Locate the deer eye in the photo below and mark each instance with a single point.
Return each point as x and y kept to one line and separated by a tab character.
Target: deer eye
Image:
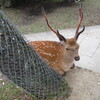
67	49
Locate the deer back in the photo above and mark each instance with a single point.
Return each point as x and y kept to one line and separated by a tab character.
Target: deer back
51	51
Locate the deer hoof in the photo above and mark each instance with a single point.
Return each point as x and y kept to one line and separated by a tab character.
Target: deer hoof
64	74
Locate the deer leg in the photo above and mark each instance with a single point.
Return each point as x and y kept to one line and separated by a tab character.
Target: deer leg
72	66
60	71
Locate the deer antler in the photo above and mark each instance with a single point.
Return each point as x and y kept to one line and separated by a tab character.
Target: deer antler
61	38
79	24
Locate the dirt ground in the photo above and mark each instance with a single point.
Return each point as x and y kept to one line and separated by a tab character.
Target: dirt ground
85	84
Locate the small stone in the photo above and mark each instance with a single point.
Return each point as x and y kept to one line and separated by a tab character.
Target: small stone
13	38
2	22
99	83
0	79
3	83
0	33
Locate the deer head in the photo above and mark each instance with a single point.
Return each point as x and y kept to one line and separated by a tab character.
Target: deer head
71	45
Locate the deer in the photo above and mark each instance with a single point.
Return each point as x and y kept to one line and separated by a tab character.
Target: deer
60	55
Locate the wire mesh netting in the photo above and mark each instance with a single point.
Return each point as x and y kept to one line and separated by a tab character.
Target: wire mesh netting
24	67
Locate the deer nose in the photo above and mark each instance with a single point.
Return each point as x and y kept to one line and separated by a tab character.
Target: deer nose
77	58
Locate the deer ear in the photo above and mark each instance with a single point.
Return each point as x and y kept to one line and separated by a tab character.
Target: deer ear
61	38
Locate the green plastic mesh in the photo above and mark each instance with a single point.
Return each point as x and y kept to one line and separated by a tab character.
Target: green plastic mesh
24	67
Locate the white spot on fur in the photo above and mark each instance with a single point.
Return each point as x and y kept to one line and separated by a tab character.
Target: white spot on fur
48	54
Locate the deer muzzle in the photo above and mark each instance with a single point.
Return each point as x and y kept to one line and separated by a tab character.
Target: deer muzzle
77	58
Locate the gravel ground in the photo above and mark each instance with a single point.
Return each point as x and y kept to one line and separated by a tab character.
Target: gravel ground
85	84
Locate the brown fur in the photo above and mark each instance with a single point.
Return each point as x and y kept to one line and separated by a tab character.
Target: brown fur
72	42
61	55
56	55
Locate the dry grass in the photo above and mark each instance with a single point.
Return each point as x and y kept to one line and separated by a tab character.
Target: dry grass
62	17
8	91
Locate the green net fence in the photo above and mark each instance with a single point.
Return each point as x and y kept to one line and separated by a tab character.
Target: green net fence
24	67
